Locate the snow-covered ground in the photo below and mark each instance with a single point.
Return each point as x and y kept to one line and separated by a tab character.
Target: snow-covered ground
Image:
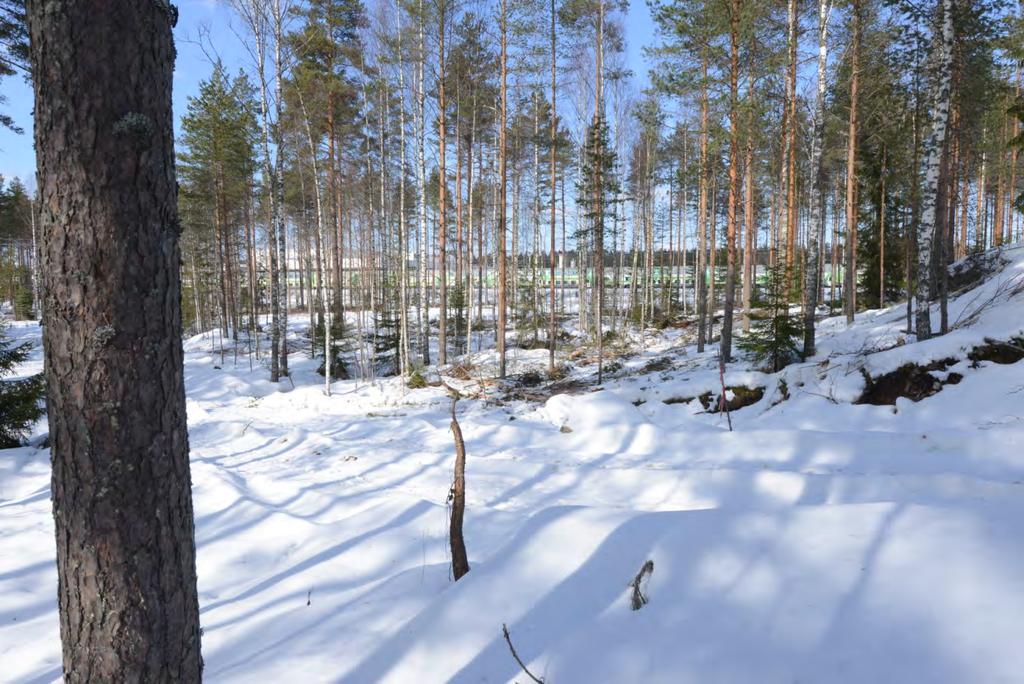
819	541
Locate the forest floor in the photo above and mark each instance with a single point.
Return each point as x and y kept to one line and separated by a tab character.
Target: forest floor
819	540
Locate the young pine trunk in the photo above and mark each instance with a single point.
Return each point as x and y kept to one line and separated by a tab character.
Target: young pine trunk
502	195
850	266
734	183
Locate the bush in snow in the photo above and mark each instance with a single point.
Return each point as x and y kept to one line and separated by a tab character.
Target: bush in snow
19	399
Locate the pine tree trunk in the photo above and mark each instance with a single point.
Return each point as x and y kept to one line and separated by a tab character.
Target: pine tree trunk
119	445
850	268
881	235
734	183
750	239
442	152
702	213
502	194
552	142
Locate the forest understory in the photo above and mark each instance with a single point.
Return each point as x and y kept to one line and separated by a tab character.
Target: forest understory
820	530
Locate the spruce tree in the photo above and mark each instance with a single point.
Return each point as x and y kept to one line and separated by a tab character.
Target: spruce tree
19	399
773	340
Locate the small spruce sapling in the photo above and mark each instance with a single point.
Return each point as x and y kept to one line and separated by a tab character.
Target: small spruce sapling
20	399
773	340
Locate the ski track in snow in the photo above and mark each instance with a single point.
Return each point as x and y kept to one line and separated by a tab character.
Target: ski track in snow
820	541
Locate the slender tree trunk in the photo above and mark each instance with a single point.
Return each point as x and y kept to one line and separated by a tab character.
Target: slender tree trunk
318	194
750	244
933	158
502	197
816	229
713	259
599	197
850	268
881	235
981	215
552	152
734	182
421	180
278	189
702	211
403	232
791	198
997	218
442	335
122	504
1014	149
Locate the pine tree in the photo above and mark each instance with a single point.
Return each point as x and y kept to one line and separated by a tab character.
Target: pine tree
217	160
13	49
596	191
122	501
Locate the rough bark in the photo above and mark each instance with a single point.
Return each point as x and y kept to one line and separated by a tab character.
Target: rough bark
121	484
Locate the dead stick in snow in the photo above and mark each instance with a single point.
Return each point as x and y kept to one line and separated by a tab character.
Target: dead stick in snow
457	497
508	640
638	599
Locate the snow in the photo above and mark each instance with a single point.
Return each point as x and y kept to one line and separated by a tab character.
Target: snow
821	540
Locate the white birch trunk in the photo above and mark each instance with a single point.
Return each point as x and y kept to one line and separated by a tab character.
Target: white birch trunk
933	159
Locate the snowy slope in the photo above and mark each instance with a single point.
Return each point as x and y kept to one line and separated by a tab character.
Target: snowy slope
821	540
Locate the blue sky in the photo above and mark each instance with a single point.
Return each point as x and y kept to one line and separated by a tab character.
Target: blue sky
193	65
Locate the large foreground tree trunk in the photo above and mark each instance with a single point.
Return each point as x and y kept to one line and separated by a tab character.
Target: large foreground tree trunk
121	485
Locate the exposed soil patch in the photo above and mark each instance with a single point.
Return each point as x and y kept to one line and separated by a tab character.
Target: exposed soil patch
996	351
741	397
909	380
657	365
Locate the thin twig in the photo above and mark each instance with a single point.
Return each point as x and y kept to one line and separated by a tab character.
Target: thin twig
724	404
508	640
